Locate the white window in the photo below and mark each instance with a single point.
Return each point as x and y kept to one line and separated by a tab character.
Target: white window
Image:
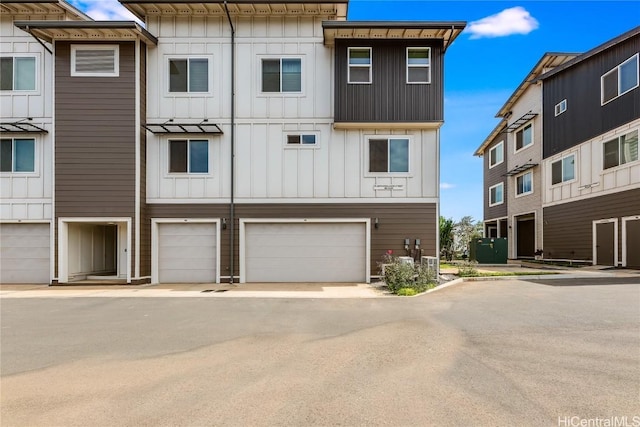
281	75
189	156
18	73
388	155
563	170
95	60
418	65
17	154
524	184
359	65
561	107
621	150
496	154
620	80
496	194
524	137
188	75
302	140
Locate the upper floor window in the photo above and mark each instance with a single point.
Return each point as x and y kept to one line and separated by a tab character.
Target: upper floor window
621	150
620	80
189	156
418	65
560	107
563	170
18	73
524	137
17	154
95	60
359	65
282	75
496	194
524	184
189	75
389	155
298	140
496	155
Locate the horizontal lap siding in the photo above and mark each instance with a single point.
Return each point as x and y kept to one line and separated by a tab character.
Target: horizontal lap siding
397	221
495	176
568	228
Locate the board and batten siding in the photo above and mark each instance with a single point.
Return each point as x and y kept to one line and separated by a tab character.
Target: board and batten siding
494	176
568	227
388	98
580	85
396	221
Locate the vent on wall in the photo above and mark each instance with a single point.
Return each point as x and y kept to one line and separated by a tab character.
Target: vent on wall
97	61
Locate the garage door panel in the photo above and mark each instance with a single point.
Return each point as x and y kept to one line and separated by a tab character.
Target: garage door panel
305	252
187	252
24	253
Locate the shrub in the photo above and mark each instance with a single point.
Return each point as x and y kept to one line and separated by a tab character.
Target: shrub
401	277
468	269
406	292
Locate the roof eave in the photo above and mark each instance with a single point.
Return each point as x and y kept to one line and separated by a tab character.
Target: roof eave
43	28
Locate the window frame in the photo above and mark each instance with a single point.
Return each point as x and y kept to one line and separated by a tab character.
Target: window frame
560	107
495	147
169	58
618	139
301	145
515	135
561	161
367	156
369	65
262	58
501	185
188	157
524	193
13	158
13	56
116	59
409	66
619	79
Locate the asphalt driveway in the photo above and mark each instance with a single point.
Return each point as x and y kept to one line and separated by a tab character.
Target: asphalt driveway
479	353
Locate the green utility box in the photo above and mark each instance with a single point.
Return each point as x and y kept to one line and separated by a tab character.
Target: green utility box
489	250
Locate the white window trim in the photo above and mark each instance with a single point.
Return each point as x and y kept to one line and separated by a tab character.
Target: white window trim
36	159
516	184
301	146
428	66
188	94
407	174
501	201
281	94
37	76
617	137
561	160
116	60
495	147
370	65
617	68
167	150
560	107
515	138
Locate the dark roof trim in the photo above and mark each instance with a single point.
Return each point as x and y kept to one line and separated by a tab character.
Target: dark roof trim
21	126
88	25
622	37
182	128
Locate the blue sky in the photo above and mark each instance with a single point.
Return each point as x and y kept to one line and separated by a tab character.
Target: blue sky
484	65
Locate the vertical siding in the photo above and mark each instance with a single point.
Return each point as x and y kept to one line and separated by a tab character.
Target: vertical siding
568	228
388	98
585	118
397	221
494	176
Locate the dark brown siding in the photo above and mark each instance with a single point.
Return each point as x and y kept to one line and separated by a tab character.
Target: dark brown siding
388	98
585	118
495	176
568	228
397	221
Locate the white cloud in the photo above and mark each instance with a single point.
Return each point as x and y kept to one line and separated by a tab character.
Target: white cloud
104	10
515	20
446	186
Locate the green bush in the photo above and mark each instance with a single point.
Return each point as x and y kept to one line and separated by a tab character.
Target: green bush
406	292
400	276
468	269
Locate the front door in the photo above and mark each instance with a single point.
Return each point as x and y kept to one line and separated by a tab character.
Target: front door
526	235
632	241
605	243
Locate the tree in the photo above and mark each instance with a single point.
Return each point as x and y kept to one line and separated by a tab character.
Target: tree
465	231
446	238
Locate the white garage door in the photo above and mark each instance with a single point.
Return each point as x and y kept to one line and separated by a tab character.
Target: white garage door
305	252
24	253
187	253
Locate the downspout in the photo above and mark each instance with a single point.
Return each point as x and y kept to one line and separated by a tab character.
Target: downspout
232	213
